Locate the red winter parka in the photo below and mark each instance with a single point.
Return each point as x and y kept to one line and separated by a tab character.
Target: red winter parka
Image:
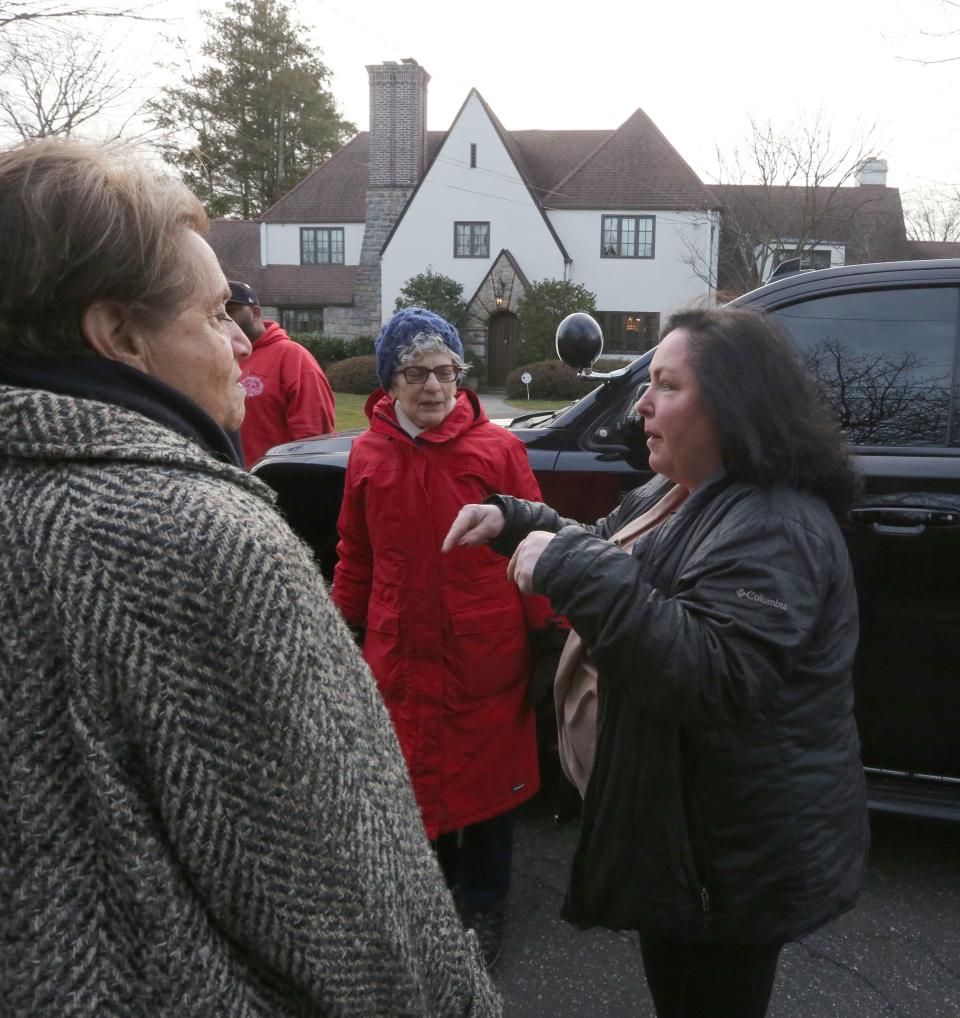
446	633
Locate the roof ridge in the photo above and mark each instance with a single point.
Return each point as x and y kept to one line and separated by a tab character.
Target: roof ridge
597	148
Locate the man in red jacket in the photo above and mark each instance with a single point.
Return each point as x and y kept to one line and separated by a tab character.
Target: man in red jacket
288	395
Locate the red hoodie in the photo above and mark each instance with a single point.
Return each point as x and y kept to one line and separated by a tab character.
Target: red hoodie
288	395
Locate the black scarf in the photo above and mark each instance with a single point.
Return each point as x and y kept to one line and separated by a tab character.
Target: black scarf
120	385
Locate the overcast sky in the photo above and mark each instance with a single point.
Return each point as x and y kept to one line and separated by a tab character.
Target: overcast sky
699	69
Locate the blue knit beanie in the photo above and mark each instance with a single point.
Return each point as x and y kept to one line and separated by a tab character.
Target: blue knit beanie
399	332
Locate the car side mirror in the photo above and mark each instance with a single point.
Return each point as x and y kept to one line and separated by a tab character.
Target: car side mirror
579	341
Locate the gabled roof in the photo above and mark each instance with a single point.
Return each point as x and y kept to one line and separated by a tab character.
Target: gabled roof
634	167
518	162
335	192
867	220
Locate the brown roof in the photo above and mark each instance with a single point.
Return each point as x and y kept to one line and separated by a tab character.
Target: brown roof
335	192
935	248
237	245
633	166
868	220
306	285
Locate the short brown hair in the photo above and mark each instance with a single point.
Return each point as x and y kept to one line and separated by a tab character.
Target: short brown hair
82	223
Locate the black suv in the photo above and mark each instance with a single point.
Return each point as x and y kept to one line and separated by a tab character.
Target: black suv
882	341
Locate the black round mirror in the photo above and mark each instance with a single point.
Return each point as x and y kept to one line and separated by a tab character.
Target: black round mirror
579	340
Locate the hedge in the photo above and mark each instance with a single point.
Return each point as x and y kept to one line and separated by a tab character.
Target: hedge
355	374
554	380
328	350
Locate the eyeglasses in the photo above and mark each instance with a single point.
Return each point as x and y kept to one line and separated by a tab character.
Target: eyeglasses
443	373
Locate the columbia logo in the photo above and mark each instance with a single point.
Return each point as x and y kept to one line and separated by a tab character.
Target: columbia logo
752	595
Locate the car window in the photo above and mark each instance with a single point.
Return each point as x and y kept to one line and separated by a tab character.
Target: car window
884	361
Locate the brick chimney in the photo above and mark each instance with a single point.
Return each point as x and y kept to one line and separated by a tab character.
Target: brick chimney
398	157
871	172
398	123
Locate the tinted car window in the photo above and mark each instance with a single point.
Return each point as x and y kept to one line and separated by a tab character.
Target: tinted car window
884	361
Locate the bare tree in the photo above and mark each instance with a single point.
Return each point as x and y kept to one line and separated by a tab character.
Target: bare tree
878	399
62	85
783	194
21	12
933	213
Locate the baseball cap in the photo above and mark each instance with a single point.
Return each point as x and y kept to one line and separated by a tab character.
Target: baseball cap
241	293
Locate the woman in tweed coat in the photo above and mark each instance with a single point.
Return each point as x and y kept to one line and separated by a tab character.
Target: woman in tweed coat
205	810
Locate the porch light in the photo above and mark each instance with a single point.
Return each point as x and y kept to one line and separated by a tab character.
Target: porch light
499	290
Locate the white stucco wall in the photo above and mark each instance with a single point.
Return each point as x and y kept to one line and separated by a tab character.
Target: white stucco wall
453	192
280	242
662	283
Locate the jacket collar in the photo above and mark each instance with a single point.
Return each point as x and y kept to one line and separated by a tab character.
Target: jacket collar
467	413
37	425
272	334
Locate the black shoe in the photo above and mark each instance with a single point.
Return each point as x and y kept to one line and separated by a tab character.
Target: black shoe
488	927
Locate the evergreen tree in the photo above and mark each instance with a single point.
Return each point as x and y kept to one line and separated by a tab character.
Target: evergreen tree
259	113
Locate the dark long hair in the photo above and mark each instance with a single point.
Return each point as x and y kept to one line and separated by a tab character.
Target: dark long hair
774	428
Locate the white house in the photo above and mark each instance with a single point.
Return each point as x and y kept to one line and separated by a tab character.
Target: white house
616	210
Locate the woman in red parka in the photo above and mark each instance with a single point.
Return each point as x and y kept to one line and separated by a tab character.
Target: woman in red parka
445	635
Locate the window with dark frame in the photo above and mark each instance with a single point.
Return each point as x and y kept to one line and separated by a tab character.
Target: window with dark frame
473	155
295	321
321	245
627	236
471	240
809	259
632	332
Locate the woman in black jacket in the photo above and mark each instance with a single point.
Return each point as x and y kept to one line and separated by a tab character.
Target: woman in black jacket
726	812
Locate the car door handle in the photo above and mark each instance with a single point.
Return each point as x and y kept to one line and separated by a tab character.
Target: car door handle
904	521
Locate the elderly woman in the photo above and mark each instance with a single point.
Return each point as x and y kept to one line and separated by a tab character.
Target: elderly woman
446	636
205	808
725	813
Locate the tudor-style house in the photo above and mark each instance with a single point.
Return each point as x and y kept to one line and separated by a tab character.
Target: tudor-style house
616	210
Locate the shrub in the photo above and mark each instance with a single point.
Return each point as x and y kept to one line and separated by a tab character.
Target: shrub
355	374
437	293
541	309
476	376
328	350
554	380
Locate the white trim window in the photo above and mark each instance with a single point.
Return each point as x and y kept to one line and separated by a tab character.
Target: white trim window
321	245
627	236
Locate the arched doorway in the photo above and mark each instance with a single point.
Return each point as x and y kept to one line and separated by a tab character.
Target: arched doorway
503	335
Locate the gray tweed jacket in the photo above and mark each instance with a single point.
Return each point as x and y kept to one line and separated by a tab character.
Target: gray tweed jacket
204	808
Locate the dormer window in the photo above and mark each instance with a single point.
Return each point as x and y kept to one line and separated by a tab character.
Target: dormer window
321	245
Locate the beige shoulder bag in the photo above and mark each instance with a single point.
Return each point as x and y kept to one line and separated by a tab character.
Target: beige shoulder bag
575	687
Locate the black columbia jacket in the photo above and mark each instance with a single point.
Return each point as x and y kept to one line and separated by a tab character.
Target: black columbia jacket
727	800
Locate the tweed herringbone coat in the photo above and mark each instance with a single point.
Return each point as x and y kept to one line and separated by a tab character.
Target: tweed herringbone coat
205	811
